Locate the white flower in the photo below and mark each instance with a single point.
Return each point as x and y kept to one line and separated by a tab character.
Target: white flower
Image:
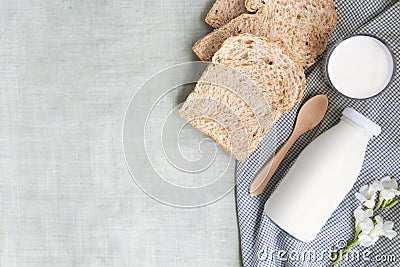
388	188
370	233
370	227
362	215
367	195
384	228
367	239
367	225
377	186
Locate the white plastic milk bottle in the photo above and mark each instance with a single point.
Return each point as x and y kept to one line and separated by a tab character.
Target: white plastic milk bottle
321	177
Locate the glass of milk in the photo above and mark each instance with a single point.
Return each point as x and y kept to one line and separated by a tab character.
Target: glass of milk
360	66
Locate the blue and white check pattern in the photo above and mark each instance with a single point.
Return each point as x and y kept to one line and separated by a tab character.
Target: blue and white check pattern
262	242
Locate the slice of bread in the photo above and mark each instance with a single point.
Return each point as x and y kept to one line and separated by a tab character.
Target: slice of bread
206	47
280	79
224	11
236	112
228	106
301	27
226	117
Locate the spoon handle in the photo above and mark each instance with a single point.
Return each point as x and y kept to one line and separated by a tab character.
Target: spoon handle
261	180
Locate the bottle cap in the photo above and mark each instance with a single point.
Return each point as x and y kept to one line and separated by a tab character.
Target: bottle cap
363	121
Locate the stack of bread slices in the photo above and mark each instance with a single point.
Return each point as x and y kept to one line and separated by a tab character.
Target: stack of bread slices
269	42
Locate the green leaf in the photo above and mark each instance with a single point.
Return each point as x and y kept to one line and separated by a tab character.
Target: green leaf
392	203
386	203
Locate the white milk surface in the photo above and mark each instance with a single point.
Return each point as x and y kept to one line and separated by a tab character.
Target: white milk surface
360	67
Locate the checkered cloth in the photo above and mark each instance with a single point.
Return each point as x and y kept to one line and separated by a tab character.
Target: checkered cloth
262	242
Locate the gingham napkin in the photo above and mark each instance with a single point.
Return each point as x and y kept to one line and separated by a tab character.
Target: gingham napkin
262	242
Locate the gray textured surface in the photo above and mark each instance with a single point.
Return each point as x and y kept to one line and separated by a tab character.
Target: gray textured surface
67	72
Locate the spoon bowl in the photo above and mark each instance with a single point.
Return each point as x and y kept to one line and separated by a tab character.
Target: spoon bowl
311	113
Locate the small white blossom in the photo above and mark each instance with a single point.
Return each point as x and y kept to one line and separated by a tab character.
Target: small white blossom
367	239
367	195
388	188
370	233
367	225
362	215
384	228
377	186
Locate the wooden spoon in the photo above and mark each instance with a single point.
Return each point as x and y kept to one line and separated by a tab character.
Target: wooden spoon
310	115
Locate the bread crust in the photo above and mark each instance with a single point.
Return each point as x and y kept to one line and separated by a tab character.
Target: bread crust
224	11
301	27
